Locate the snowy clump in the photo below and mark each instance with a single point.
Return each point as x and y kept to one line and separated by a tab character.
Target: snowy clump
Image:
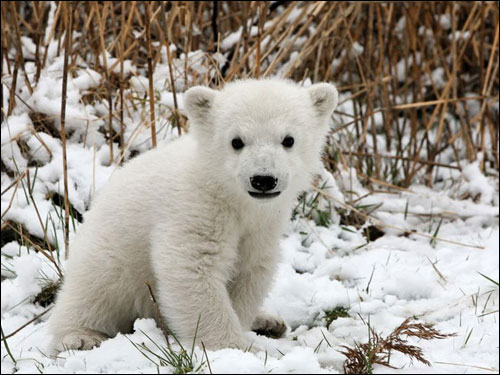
477	186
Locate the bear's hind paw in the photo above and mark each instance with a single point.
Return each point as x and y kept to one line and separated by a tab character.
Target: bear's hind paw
82	339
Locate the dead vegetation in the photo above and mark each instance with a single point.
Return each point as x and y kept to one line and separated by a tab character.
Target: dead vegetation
377	351
410	64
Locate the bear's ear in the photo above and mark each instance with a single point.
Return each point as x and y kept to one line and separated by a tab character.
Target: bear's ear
198	102
324	97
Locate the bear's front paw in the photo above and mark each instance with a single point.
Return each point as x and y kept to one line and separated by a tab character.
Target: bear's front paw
269	325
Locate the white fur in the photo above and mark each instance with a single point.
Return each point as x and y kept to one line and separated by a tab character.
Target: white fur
181	217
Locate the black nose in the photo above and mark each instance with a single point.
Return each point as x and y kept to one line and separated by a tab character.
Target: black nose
263	183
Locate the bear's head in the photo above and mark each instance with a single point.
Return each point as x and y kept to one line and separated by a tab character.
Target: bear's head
262	138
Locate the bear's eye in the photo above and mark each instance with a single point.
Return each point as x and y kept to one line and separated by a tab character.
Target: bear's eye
288	141
237	143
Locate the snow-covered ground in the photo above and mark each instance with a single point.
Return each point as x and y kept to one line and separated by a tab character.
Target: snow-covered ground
322	268
445	273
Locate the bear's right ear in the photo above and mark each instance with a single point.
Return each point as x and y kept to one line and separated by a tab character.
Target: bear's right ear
198	102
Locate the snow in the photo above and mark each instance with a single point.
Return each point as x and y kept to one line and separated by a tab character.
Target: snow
357	49
404	65
233	38
477	184
114	62
387	280
13	128
29	48
459	35
87	79
445	21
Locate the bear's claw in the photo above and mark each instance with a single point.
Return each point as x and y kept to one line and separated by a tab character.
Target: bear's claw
269	325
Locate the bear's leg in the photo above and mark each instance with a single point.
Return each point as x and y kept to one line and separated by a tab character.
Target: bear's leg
248	290
200	308
91	309
192	294
257	263
247	294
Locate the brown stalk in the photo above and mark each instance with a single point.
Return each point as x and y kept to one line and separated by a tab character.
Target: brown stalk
68	16
377	351
206	356
285	51
123	35
17	330
150	74
51	34
12	96
240	65
18	45
418	161
167	41
15	184
5	40
44	229
101	20
45	253
159	315
39	8
313	42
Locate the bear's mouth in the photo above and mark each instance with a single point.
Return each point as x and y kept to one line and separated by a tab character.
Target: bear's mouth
262	195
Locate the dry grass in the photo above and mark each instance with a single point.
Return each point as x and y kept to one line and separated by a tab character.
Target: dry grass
385	54
377	351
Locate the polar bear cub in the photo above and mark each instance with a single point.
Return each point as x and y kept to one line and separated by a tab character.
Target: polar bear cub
199	219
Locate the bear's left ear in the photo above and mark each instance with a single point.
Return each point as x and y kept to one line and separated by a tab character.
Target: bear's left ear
198	102
324	97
